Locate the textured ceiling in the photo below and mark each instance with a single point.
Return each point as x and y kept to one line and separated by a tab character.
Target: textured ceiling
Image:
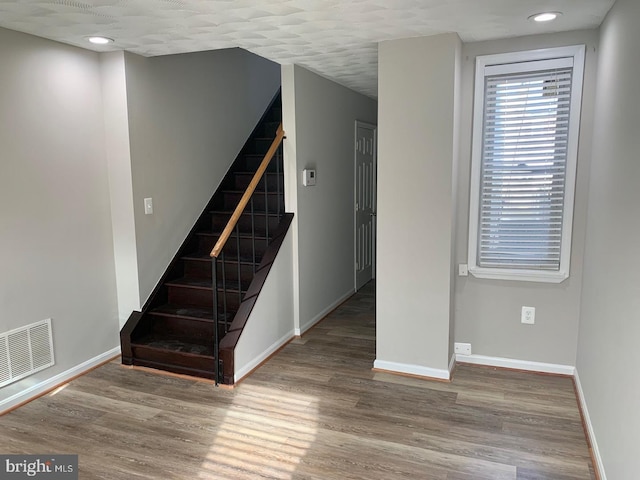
335	38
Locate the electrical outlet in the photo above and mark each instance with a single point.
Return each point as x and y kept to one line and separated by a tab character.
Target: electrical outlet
528	315
462	348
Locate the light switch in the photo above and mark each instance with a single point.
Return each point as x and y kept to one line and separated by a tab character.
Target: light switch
148	206
308	177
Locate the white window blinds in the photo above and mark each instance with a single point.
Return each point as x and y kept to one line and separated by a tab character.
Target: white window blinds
523	172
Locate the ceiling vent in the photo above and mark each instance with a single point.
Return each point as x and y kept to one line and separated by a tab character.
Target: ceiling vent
25	351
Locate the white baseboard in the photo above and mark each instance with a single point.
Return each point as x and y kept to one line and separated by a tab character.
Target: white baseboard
246	369
410	369
36	390
590	432
517	364
323	313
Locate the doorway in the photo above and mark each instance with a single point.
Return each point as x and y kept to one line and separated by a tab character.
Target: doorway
365	202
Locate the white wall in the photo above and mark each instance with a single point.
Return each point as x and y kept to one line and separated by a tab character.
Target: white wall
56	249
319	120
488	311
189	116
417	144
291	178
271	322
608	354
116	128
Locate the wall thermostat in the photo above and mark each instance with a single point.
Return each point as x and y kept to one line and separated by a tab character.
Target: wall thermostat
308	177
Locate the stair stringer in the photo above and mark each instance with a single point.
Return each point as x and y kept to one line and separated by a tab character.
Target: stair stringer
264	321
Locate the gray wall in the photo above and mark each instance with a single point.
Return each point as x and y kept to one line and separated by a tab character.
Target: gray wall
608	354
319	120
417	145
189	116
488	311
56	250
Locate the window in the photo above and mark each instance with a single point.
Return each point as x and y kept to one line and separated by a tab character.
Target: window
525	140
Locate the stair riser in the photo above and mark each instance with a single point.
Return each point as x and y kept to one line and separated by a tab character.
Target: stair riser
231	273
260	221
233	282
207	242
269	129
142	353
198	269
275	114
190	296
259	145
253	161
210	375
178	326
232	302
231	200
274	181
201	298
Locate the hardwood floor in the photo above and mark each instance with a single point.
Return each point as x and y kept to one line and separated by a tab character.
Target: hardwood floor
314	411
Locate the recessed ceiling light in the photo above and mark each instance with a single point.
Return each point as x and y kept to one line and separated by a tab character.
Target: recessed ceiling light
544	16
100	40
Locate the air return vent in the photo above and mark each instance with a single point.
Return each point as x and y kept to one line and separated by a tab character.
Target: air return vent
25	350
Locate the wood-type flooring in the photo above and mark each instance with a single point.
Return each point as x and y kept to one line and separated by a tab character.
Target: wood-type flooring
315	410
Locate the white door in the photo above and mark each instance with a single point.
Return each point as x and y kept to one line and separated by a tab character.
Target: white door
365	202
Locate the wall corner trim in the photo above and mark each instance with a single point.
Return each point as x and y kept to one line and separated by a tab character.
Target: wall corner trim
514	364
323	313
410	369
593	444
452	364
35	391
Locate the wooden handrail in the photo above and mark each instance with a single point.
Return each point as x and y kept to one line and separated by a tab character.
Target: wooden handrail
226	233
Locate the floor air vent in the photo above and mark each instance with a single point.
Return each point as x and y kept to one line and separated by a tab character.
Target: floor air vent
25	350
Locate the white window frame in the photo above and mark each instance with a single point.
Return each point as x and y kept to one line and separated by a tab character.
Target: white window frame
577	54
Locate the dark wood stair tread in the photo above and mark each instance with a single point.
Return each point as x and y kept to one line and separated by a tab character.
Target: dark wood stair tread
206	257
199	256
191	282
177	344
189	312
233	235
184	311
201	284
246	212
259	192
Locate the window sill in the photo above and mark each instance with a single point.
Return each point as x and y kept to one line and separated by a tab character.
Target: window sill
519	275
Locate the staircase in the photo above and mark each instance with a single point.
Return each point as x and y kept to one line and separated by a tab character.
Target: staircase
201	299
